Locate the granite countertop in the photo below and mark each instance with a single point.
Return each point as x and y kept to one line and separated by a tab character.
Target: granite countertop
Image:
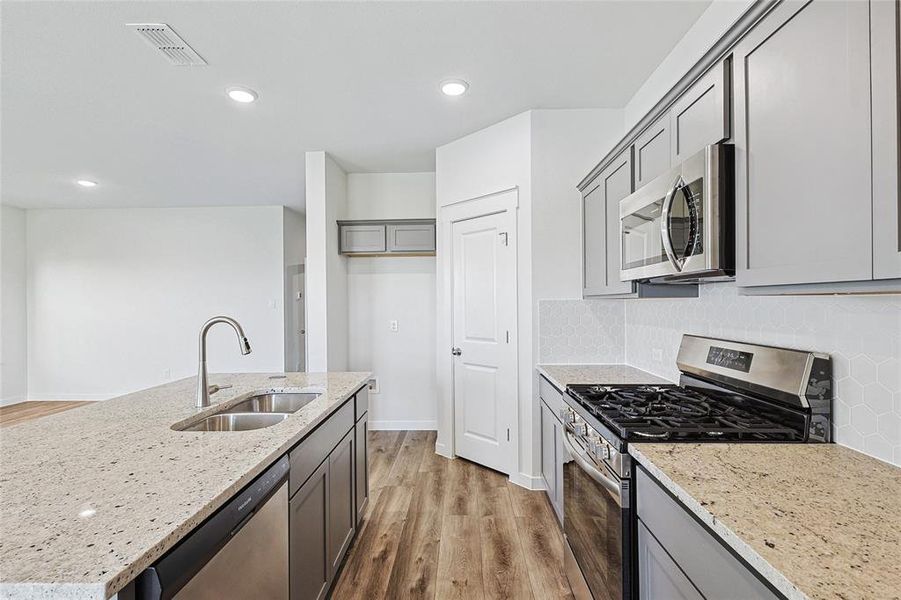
816	520
563	375
92	496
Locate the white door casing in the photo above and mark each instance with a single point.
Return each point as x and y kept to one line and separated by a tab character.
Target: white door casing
484	321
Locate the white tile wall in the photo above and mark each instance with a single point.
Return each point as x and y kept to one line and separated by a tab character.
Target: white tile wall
861	333
581	331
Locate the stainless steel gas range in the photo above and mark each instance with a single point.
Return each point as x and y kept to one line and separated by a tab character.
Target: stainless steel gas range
728	392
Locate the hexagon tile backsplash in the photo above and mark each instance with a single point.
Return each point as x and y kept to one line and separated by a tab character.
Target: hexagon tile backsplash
581	331
861	333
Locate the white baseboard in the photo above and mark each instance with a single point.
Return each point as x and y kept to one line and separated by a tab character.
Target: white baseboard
443	450
12	400
402	425
527	481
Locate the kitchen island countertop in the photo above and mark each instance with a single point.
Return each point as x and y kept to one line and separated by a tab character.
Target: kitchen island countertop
817	521
94	495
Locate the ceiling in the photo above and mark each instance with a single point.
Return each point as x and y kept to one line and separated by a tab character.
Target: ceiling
84	97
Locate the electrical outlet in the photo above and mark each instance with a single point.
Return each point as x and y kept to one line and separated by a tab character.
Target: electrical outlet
657	354
374	385
167	375
393	326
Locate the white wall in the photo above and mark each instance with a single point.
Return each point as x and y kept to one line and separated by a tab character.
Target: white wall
700	37
326	270
13	315
116	296
390	196
295	251
543	154
402	289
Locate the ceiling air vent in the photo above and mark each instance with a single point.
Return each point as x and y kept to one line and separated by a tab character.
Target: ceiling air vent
164	39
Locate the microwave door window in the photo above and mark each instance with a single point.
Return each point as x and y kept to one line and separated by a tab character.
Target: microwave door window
642	244
686	220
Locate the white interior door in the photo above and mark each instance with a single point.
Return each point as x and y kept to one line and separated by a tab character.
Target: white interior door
484	312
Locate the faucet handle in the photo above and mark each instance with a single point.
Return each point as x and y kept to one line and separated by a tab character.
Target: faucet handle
215	388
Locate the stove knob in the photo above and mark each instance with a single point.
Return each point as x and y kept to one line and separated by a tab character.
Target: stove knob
567	415
579	428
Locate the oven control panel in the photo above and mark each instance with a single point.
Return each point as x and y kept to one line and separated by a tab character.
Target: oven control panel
594	445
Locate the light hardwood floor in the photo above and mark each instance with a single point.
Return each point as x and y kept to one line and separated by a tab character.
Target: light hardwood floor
26	411
438	528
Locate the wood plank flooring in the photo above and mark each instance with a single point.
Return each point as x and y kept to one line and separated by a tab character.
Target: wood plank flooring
443	529
26	411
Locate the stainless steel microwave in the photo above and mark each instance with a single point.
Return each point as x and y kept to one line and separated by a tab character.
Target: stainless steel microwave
680	226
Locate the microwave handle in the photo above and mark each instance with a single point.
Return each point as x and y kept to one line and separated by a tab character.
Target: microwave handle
664	223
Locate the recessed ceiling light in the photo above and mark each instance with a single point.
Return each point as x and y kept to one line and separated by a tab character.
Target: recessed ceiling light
242	94
86	183
454	87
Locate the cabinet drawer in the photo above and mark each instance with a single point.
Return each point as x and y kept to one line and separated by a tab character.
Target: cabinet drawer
362	238
703	558
551	395
308	454
411	237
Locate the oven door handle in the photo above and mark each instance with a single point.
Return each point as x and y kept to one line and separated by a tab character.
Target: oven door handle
665	235
592	471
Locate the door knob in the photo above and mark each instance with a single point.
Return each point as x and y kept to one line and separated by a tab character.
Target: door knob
456	351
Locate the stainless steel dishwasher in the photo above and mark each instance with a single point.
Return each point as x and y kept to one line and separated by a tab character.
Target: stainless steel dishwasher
239	552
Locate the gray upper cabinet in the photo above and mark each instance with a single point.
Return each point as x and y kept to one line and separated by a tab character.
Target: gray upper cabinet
362	239
885	71
601	230
653	153
803	154
387	237
702	115
411	237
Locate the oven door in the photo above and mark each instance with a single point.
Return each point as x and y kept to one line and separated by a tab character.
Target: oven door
671	227
596	524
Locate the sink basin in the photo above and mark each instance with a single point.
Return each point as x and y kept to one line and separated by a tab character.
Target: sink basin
237	421
282	402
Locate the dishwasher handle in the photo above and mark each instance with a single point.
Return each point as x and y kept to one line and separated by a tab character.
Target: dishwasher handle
171	572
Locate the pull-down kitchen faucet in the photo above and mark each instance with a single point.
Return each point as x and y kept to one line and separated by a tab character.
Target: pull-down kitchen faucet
203	390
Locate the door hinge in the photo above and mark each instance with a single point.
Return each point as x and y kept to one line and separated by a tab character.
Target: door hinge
506	237
508	434
508	337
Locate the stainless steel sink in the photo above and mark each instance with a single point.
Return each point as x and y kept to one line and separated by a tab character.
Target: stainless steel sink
281	402
237	421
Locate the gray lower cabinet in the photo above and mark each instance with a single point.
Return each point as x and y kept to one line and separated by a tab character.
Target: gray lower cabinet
803	155
679	558
553	453
310	572
659	577
323	505
341	506
361	467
